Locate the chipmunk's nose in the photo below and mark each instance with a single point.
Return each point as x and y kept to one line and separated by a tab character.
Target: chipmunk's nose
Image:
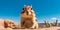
28	13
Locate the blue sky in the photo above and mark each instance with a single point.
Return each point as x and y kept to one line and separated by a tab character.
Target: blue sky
44	9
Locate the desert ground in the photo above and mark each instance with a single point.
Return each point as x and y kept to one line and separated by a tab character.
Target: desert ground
51	28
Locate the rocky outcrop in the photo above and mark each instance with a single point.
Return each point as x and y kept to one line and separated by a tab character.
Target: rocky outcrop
1	24
7	23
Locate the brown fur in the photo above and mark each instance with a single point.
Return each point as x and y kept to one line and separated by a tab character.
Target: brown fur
27	18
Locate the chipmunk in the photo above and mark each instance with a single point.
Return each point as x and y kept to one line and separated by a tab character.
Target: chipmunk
28	19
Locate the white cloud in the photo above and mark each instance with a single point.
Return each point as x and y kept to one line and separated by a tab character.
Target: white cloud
53	18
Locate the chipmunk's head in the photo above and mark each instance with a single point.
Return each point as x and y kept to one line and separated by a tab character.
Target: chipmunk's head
27	10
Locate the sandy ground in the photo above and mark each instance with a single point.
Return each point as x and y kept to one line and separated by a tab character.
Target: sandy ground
51	28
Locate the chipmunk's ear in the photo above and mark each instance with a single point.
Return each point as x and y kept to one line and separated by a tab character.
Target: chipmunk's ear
24	5
31	7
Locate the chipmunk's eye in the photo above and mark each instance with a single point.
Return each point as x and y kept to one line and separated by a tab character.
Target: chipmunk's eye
31	8
23	8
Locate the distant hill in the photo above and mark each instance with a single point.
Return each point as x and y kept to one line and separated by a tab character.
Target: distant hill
42	24
59	24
